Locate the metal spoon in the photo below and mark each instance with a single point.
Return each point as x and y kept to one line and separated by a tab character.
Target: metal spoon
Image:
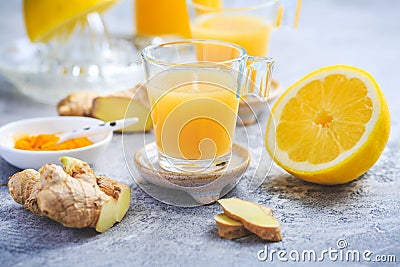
97	129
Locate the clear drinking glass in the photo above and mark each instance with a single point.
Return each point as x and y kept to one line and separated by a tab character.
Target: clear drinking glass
160	21
194	87
247	23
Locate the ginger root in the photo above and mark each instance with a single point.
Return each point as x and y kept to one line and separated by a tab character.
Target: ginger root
71	196
110	107
23	189
77	104
253	217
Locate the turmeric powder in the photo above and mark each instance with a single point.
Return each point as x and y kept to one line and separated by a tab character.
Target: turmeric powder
48	142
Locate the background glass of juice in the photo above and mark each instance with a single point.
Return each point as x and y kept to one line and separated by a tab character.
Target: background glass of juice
161	19
248	23
194	96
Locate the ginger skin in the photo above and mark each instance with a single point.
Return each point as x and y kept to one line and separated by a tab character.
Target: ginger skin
77	104
74	201
23	189
117	190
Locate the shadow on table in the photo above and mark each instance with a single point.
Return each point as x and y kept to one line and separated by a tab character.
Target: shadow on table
285	186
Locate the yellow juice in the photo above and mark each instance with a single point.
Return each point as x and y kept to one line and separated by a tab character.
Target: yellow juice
162	17
196	120
252	33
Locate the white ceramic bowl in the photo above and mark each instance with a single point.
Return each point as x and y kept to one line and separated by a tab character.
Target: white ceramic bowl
25	159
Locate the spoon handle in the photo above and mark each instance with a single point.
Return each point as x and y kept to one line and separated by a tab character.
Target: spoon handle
97	129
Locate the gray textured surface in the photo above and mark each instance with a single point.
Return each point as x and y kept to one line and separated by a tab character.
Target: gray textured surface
364	212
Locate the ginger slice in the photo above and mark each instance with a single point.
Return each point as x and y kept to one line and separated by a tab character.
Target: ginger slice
119	191
231	229
121	104
253	218
109	107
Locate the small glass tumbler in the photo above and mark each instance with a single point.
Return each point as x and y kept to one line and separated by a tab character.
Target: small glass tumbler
194	87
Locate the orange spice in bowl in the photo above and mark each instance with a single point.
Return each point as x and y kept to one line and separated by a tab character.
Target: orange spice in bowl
48	142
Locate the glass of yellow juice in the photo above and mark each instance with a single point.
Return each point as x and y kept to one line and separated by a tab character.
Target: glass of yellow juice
194	87
161	19
248	23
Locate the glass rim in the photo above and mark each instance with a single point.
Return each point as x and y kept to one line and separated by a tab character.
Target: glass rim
146	57
232	9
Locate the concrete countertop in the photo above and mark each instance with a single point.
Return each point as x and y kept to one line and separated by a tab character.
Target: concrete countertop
364	214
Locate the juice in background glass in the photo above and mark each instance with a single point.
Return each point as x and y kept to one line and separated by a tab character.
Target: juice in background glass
251	32
195	120
162	17
248	23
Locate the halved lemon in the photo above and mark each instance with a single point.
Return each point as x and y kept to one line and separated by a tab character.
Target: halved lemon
330	127
46	18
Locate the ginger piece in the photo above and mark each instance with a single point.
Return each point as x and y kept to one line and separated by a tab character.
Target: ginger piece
110	107
77	104
72	201
231	229
22	188
117	190
121	104
58	196
253	217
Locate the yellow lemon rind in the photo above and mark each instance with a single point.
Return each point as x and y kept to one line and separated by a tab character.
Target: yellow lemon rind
361	157
49	31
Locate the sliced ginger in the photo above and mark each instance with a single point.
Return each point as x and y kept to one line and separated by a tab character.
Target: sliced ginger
118	191
72	196
253	217
127	103
231	229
